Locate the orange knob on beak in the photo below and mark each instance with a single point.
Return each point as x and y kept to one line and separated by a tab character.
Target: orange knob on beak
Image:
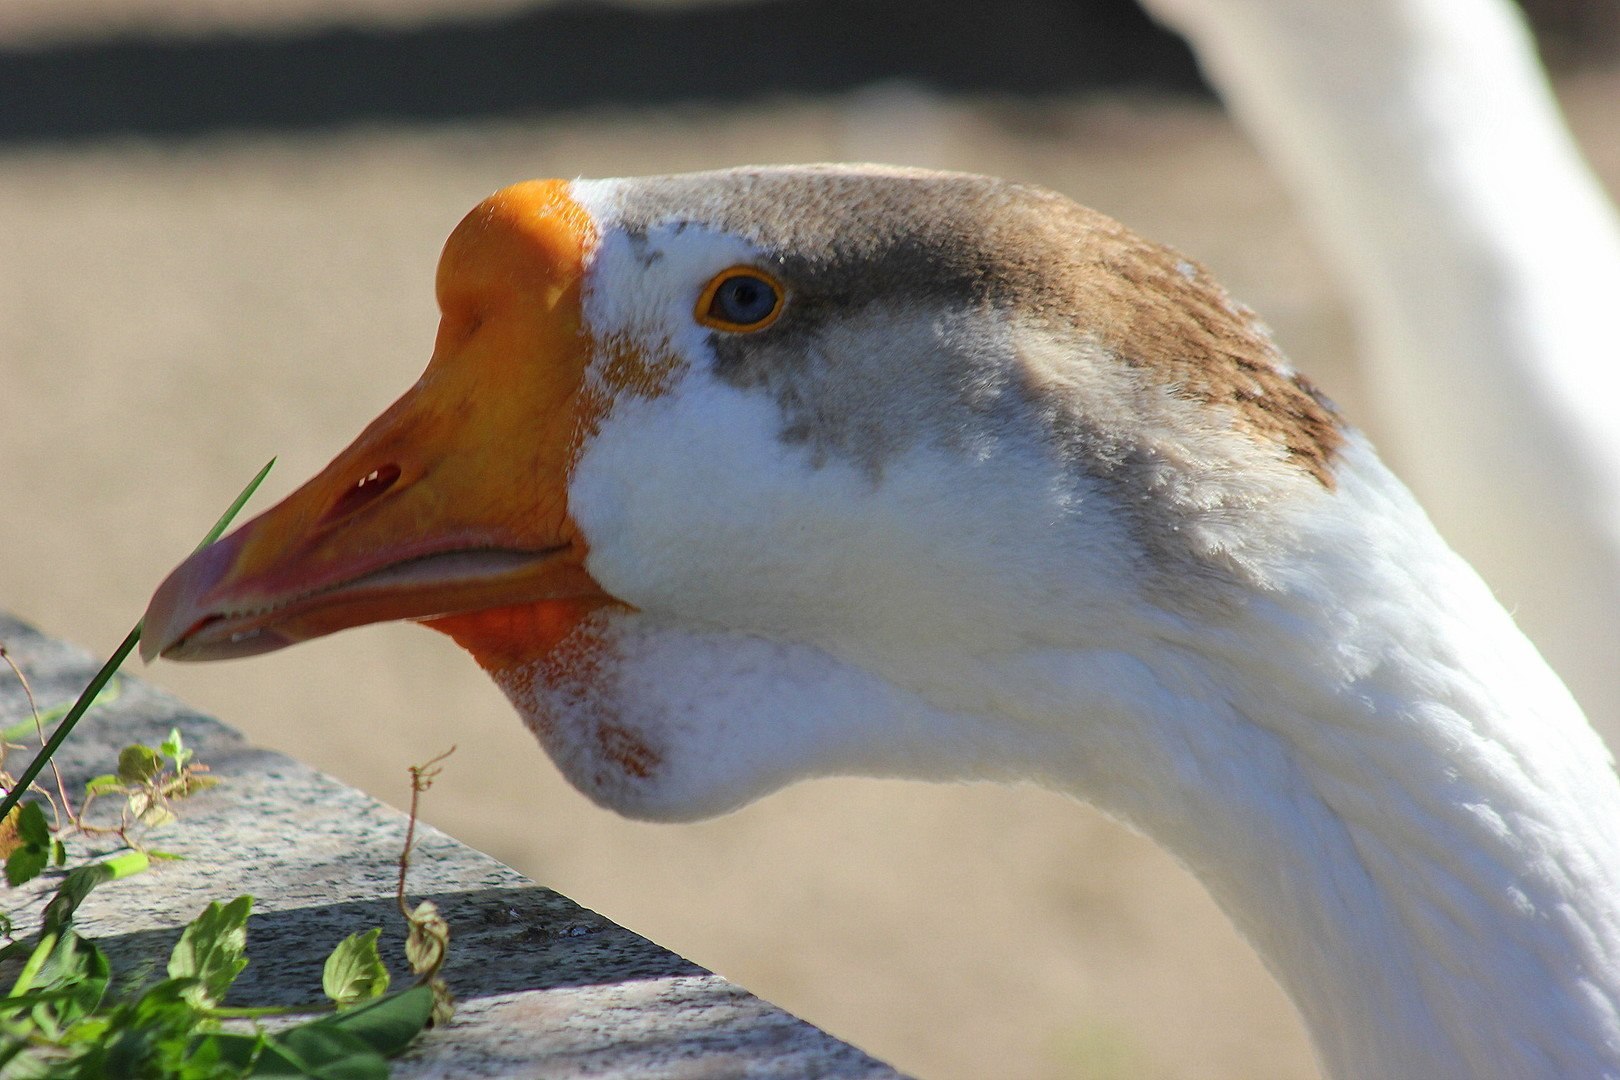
454	500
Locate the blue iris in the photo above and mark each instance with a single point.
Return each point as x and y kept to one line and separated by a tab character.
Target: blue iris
743	299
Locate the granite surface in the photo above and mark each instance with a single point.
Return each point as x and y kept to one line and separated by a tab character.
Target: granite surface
545	987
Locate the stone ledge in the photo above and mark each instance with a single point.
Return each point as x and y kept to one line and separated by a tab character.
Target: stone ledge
545	987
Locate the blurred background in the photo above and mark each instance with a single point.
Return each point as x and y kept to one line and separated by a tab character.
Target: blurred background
219	221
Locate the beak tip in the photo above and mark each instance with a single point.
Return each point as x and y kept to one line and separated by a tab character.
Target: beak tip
156	633
149	649
177	604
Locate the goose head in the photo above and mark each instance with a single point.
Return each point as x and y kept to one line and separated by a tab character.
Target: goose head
734	479
691	447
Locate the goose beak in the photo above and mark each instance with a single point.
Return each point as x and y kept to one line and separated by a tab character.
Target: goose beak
455	499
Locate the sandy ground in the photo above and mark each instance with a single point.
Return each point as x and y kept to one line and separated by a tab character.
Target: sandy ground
170	318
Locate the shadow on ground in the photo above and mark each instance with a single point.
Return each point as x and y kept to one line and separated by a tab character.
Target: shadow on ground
572	56
505	940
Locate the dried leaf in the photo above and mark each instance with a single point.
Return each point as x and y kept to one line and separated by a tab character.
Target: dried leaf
10	838
444	1003
188	783
427	940
156	815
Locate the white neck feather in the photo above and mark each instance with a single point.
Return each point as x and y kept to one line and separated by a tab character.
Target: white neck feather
1369	766
1393	797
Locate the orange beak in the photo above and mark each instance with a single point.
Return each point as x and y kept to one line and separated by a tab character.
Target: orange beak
454	501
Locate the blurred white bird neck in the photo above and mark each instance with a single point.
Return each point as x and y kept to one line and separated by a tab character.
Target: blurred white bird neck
1421	139
1395	800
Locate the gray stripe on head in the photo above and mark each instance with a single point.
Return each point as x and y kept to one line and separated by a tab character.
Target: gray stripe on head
844	237
850	234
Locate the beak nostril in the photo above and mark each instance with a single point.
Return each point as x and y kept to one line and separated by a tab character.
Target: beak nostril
364	491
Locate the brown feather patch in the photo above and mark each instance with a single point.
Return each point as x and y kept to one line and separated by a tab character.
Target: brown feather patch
1165	316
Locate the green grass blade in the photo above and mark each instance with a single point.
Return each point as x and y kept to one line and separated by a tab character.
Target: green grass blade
236	507
59	736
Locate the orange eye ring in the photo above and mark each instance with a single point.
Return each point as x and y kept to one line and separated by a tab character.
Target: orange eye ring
740	300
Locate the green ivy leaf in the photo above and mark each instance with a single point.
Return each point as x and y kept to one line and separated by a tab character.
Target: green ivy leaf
25	864
148	1036
355	972
78	883
211	950
33	845
235	1052
175	749
71	893
78	967
31	825
386	1024
90	1029
200	1061
323	1052
105	784
137	764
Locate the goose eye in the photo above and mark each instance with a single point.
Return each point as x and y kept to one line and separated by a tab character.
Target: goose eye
740	300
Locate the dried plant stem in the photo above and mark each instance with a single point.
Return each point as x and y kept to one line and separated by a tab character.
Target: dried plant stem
422	777
61	788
